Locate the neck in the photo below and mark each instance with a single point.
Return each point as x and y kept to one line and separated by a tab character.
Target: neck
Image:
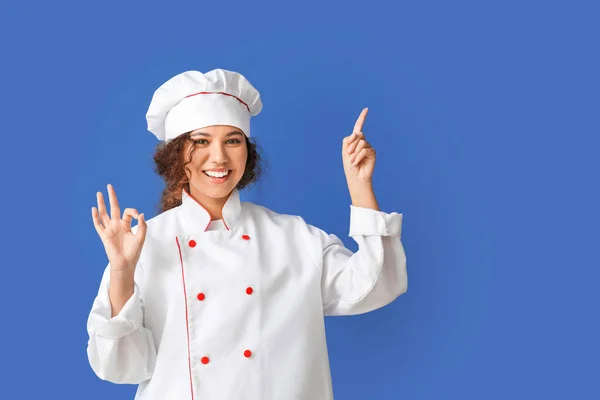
213	205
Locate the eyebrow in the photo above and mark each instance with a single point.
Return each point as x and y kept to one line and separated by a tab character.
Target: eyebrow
209	135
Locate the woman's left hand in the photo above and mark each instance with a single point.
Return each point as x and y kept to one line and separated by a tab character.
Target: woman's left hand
358	155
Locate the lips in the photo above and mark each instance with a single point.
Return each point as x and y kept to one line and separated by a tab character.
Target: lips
218	179
217	171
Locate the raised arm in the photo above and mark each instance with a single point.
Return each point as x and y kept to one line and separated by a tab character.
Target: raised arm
354	283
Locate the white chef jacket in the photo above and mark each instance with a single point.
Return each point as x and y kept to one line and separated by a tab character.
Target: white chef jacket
234	309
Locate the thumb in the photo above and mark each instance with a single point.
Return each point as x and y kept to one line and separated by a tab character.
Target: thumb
347	141
142	227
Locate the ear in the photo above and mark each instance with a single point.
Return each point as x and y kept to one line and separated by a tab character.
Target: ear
188	175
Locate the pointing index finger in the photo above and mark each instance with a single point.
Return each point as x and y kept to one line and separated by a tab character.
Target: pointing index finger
360	121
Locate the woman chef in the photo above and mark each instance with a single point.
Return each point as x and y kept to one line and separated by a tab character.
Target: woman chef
219	299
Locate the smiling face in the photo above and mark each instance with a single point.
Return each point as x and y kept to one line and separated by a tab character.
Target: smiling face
218	161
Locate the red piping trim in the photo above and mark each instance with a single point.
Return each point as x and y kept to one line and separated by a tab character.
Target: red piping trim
226	94
209	220
187	327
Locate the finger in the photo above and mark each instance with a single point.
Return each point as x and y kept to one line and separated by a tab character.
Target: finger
96	220
348	140
102	208
361	145
358	126
360	156
115	211
128	213
142	227
352	146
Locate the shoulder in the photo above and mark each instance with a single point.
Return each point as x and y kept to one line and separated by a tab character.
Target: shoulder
162	223
291	225
160	241
263	214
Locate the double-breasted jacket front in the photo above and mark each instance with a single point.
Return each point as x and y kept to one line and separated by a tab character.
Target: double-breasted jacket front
234	309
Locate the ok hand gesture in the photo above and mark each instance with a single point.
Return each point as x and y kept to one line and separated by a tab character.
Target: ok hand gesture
123	248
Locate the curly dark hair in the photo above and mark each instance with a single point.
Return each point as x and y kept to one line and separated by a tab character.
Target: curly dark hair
169	164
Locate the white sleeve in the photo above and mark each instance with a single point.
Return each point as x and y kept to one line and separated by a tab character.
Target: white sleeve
120	349
373	276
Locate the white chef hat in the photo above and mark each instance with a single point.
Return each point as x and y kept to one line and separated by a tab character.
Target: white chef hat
193	100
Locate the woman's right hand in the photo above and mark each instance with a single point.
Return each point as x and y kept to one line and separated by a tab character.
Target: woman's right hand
123	248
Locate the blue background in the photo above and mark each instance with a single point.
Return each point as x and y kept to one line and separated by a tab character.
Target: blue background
484	116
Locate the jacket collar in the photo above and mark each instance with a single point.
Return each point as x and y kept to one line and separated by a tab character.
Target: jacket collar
198	218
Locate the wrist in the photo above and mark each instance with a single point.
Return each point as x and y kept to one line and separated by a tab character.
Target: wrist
122	278
363	195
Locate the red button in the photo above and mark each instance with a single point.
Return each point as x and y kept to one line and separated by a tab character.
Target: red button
200	296
249	290
192	243
247	353
245	237
204	360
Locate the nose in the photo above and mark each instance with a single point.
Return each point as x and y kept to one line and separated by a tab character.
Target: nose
217	152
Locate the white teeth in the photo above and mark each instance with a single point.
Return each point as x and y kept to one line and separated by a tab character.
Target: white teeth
216	174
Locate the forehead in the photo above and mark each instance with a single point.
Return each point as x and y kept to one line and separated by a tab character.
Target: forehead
217	130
